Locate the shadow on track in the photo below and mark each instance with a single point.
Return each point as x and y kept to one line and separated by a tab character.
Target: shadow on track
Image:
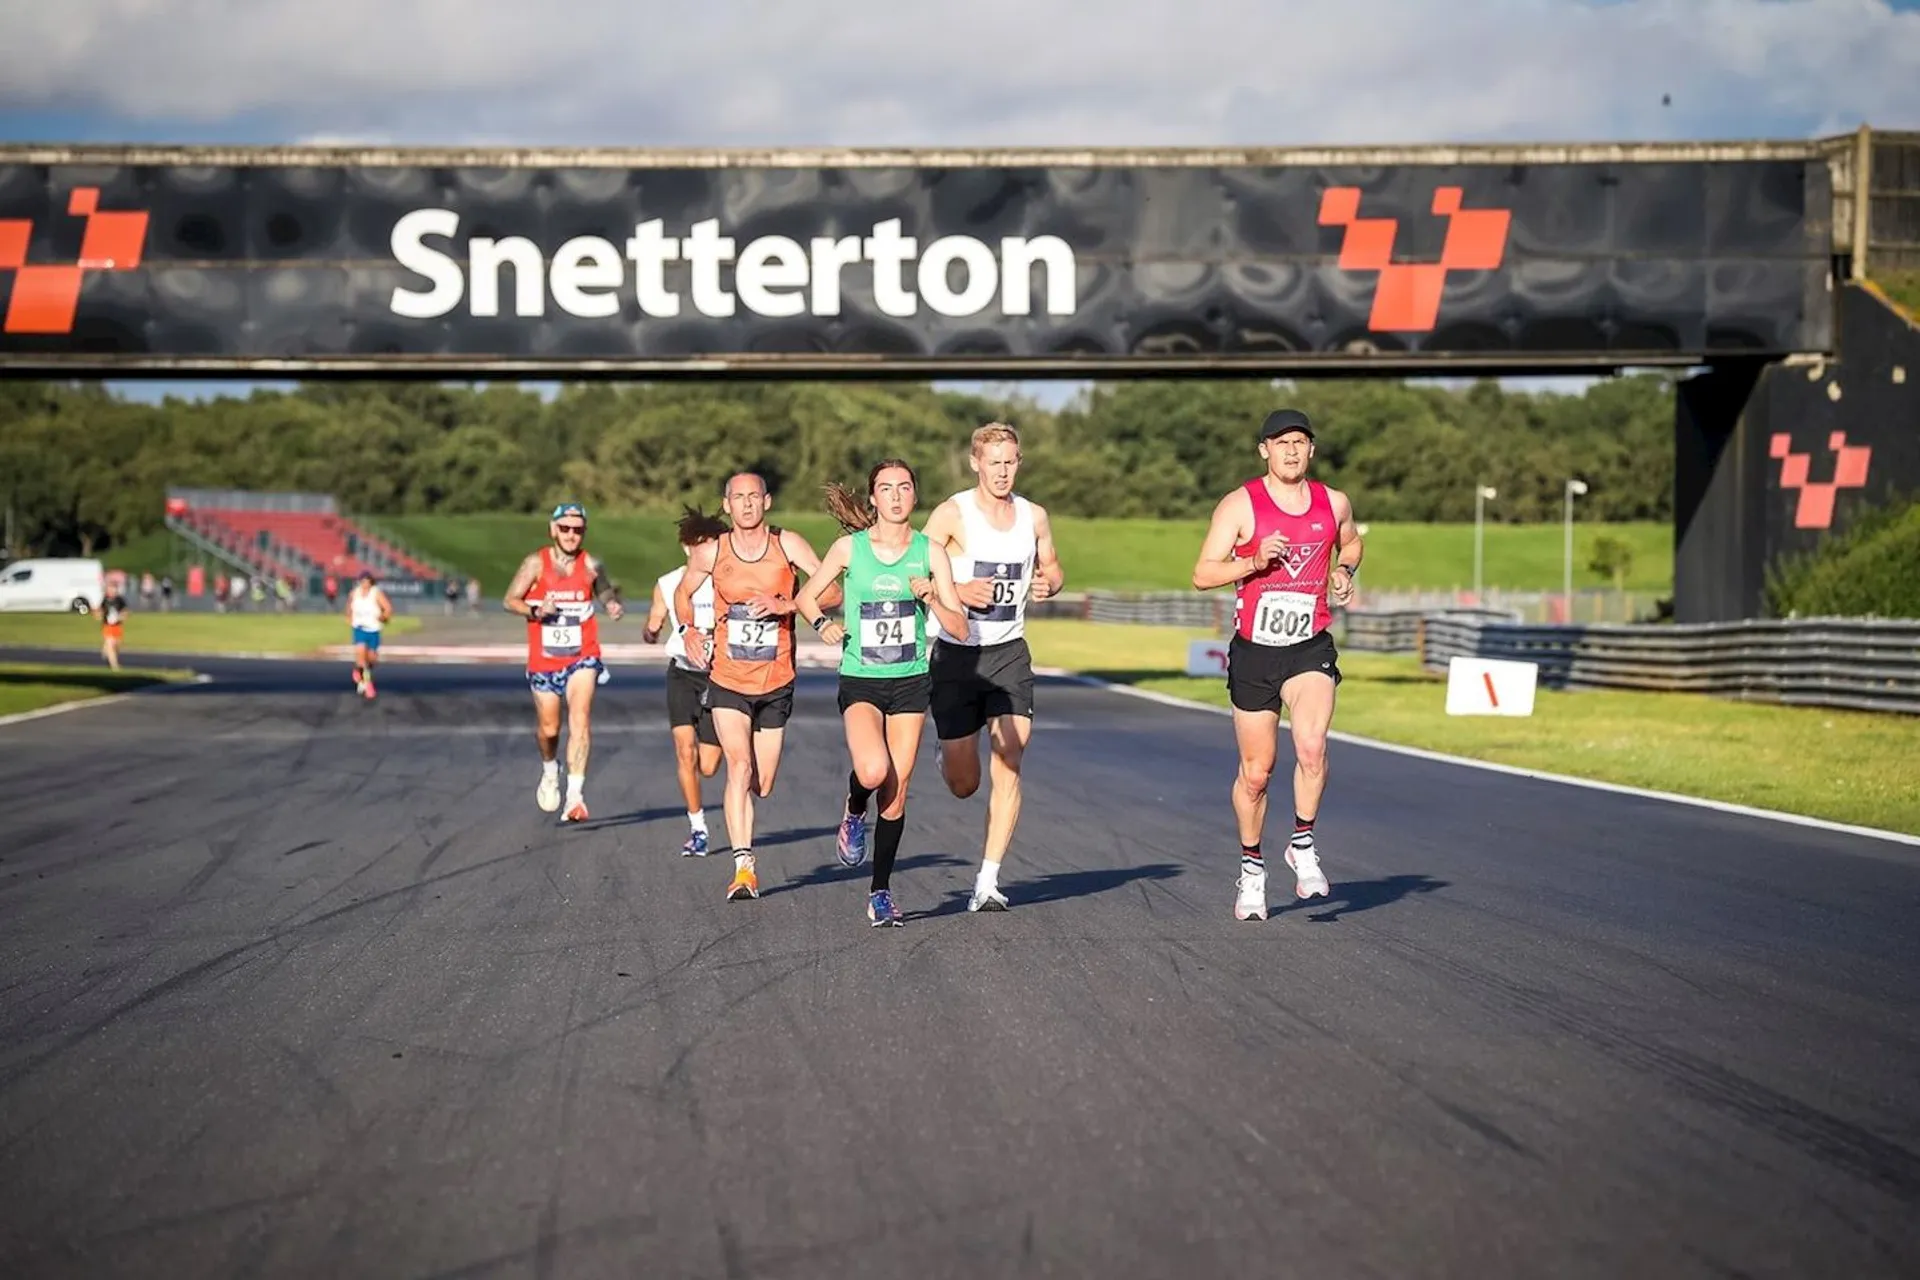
834	873
1361	895
1057	886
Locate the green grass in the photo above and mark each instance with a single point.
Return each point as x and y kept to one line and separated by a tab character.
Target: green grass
1111	555
153	554
1843	766
28	686
188	632
1903	288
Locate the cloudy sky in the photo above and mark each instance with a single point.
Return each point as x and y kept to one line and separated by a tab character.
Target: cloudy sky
896	72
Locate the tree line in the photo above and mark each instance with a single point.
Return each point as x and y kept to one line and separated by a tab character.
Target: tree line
84	470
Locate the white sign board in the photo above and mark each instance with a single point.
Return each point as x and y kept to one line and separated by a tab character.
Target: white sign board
1207	658
1489	687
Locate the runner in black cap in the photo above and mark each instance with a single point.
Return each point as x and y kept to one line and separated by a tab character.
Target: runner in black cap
1287	544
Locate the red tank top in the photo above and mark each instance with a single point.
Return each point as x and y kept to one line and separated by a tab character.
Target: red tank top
1287	603
575	635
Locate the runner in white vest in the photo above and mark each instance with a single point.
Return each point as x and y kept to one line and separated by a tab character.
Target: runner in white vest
1001	546
696	748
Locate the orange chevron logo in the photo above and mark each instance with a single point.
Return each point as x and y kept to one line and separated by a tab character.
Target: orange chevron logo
46	295
1407	299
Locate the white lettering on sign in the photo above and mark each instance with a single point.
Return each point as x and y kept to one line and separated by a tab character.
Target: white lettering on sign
771	276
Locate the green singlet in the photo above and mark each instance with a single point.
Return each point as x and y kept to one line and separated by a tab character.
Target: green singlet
886	626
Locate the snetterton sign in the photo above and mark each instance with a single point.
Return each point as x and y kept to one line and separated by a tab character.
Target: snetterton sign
1030	263
774	276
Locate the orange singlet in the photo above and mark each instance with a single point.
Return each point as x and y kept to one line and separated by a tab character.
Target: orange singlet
752	656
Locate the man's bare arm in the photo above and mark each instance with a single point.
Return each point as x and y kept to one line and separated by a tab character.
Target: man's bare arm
515	601
1352	549
1046	558
1217	565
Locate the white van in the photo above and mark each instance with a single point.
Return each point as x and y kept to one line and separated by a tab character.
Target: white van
52	586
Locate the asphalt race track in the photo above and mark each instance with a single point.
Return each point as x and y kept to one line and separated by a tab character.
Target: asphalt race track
299	985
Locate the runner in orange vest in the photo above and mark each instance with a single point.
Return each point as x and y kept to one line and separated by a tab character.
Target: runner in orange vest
755	570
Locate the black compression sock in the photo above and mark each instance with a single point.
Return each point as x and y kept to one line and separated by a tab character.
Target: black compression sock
886	845
857	795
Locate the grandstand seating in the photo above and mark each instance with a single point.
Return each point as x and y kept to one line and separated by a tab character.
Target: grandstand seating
303	546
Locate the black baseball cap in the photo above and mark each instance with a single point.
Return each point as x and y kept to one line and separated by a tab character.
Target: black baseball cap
1281	421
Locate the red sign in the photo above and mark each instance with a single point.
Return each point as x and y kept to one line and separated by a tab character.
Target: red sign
1815	508
1407	299
47	294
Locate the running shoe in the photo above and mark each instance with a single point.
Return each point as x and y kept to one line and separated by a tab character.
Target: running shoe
853	840
576	811
1251	904
746	883
882	912
366	689
987	900
548	796
696	846
1310	880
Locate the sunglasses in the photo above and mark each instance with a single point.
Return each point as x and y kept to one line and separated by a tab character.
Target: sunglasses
571	528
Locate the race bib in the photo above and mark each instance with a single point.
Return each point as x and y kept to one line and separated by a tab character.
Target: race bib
1009	588
562	639
887	632
1282	618
751	639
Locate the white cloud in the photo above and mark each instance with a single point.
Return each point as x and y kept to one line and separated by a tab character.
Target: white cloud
884	72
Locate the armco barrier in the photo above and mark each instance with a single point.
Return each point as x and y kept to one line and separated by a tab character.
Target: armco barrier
1859	664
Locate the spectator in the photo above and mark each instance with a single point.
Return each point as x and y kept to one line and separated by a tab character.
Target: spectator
219	593
166	593
149	590
473	595
330	585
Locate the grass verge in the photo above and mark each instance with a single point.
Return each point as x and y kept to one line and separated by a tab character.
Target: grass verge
1843	766
30	686
188	632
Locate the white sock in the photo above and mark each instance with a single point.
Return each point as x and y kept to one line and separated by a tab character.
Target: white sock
550	769
742	858
576	782
697	819
989	877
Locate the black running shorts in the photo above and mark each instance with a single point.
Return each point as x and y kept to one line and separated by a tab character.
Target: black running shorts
1255	672
685	687
767	710
973	684
894	695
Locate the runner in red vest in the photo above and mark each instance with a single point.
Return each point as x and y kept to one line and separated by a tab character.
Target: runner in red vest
1287	544
557	591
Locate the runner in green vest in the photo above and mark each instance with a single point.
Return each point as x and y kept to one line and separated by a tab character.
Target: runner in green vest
894	577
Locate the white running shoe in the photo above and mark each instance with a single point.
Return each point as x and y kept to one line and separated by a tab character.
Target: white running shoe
1310	880
548	796
987	900
1251	904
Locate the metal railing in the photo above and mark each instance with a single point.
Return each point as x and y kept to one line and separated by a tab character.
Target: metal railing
1215	608
1859	664
1402	630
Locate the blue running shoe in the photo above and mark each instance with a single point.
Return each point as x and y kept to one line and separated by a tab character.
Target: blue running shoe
696	846
853	840
882	912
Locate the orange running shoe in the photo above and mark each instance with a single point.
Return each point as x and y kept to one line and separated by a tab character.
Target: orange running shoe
746	882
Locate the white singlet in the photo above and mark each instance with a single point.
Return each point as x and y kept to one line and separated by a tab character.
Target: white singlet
364	609
1007	558
702	614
